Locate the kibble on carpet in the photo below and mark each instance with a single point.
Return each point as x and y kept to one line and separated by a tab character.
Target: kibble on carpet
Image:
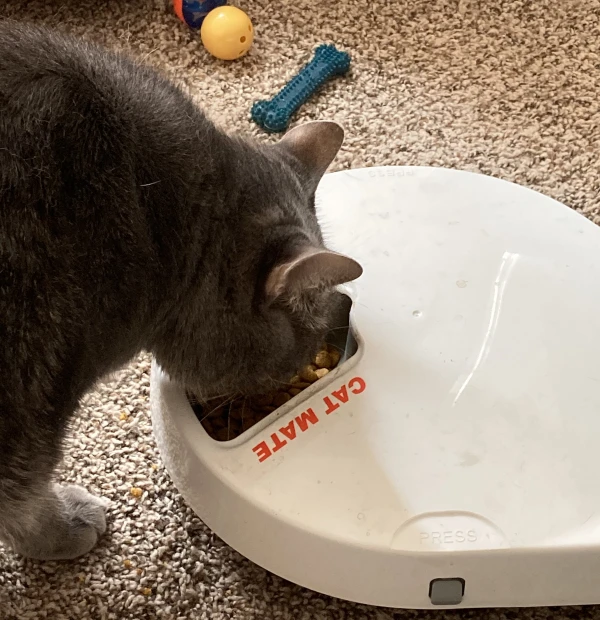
503	87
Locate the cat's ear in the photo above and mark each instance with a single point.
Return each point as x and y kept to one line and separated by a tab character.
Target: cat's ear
315	146
311	268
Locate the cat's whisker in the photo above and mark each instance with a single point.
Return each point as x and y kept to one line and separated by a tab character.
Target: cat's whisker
225	403
279	381
148	54
333	329
244	409
225	395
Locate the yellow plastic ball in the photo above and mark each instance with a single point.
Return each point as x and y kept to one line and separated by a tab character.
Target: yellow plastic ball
227	33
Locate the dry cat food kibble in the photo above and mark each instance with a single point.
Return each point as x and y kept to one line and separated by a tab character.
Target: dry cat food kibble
224	420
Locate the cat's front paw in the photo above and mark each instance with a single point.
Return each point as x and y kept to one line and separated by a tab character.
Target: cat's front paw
81	509
76	527
64	524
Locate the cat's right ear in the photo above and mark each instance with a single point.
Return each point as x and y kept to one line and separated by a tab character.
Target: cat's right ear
312	268
314	145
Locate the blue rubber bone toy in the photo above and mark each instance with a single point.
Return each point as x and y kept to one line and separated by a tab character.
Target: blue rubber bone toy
275	115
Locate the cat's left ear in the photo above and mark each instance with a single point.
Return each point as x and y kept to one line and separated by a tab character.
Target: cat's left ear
311	268
315	146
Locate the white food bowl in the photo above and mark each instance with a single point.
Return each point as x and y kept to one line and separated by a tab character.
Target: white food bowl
454	460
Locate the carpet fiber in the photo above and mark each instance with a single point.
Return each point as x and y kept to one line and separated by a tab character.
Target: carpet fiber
504	87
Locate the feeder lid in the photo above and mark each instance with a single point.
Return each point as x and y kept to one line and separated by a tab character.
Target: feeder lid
468	418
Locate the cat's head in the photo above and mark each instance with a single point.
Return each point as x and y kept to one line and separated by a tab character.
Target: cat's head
280	281
295	295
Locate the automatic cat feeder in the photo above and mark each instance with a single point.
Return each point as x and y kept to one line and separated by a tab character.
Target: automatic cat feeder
453	460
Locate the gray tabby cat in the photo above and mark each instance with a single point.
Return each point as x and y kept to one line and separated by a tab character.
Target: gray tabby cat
128	221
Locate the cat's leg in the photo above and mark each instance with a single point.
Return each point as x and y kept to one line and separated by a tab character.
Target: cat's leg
38	518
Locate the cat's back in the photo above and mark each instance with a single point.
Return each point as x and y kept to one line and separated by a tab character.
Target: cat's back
25	47
65	97
55	78
40	68
55	90
63	123
37	57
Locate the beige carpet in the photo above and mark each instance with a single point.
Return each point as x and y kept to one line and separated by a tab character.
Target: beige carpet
508	88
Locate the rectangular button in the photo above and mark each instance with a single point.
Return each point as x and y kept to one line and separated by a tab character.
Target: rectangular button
447	591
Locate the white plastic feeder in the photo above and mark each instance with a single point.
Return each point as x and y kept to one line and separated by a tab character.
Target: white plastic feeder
454	460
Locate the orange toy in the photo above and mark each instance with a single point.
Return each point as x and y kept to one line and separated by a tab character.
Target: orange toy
227	33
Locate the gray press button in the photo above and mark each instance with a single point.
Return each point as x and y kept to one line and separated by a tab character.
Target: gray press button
447	591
